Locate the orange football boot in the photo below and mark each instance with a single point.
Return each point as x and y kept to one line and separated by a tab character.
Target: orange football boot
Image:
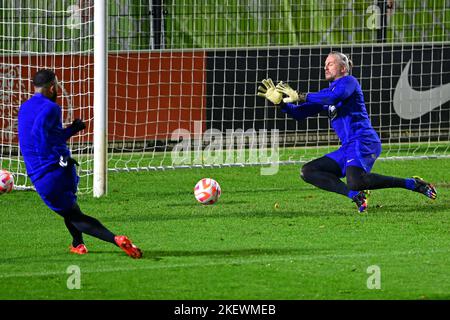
80	249
126	245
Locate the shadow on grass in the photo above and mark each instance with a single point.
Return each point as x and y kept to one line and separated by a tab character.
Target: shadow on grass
198	212
391	207
140	217
158	255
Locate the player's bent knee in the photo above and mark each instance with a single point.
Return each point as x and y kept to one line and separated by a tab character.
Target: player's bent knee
305	173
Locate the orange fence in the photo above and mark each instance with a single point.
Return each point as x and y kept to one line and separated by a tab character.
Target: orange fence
149	94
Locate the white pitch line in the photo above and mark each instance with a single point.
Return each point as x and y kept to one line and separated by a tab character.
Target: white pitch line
228	262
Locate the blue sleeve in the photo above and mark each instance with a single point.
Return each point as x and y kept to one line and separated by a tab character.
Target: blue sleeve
343	89
48	131
301	111
43	124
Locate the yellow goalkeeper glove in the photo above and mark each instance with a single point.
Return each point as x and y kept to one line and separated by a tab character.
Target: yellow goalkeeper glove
292	95
269	92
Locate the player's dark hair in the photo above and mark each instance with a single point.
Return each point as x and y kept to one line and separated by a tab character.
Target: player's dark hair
43	78
345	60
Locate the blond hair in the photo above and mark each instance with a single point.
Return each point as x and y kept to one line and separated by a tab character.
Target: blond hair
343	59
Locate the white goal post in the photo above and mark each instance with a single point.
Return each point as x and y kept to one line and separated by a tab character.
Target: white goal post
168	84
100	99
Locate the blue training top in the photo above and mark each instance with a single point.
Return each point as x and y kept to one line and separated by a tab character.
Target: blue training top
344	101
42	139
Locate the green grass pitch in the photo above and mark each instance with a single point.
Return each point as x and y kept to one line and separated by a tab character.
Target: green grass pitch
312	245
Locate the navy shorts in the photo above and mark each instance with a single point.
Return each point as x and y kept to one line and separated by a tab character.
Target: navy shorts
58	188
356	153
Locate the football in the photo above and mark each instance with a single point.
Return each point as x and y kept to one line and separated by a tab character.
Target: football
207	191
6	181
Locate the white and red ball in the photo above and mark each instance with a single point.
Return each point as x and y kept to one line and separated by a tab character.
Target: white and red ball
207	191
6	181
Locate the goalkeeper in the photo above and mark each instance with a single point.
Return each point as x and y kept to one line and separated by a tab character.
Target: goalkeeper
343	100
51	168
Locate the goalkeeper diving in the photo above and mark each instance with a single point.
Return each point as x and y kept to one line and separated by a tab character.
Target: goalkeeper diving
360	144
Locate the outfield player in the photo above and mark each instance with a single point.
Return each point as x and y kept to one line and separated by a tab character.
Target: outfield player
51	168
361	146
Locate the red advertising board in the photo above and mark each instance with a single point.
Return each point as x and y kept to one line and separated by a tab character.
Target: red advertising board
149	94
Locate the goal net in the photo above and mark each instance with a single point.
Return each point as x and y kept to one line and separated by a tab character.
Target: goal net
46	34
183	77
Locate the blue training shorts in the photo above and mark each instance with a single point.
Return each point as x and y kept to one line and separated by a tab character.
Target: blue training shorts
58	188
356	153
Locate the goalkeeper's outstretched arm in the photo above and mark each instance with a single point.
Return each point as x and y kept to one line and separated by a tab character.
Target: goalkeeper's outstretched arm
275	95
301	111
292	95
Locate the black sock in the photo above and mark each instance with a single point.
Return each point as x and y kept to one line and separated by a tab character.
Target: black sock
76	235
358	179
92	227
378	181
88	225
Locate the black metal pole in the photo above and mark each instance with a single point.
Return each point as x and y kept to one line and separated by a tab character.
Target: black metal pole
382	31
157	12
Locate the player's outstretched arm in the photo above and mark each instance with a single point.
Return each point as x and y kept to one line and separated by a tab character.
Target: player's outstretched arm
269	92
302	111
292	95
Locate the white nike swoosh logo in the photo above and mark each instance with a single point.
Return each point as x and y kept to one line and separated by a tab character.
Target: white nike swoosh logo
411	104
62	163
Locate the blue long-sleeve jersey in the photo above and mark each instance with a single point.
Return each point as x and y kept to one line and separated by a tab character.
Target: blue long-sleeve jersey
344	101
42	139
